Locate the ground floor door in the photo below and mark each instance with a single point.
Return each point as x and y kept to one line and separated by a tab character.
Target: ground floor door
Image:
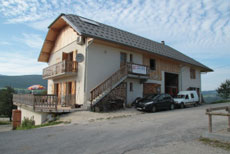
66	92
57	91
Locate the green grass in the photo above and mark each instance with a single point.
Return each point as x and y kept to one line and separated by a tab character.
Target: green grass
215	143
42	125
4	122
221	101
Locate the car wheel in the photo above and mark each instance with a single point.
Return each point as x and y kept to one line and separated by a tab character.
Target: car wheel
172	107
182	105
154	109
195	104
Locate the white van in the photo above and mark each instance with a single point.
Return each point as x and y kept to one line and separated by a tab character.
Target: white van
185	98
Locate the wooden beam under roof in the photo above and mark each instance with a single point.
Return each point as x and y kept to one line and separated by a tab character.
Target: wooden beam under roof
50	39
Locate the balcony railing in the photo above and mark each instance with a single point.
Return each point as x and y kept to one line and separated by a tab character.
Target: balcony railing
61	68
45	103
138	69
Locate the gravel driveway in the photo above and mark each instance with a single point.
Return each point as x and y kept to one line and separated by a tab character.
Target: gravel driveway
174	132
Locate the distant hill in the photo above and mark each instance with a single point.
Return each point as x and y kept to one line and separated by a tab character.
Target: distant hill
22	82
211	96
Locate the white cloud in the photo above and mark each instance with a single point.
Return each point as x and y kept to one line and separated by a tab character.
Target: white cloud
19	64
41	24
31	40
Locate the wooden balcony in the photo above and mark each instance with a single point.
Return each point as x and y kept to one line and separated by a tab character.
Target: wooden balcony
45	103
63	68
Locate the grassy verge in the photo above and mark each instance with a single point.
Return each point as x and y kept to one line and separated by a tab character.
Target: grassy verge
221	101
215	143
42	125
4	122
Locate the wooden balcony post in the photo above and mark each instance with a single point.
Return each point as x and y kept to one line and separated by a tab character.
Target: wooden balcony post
34	101
56	102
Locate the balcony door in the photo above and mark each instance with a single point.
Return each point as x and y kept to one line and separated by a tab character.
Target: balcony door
70	93
68	56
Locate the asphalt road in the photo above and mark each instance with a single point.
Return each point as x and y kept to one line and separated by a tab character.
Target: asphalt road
162	132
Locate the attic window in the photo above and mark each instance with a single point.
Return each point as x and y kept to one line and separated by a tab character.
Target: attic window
89	21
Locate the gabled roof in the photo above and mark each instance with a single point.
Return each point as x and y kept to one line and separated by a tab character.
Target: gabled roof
101	31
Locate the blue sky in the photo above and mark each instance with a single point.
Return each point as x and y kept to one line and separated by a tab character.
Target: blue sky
198	28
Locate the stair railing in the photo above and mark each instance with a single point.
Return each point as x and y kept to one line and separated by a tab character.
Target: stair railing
109	83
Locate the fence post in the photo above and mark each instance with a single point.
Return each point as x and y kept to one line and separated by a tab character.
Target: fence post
210	123
228	129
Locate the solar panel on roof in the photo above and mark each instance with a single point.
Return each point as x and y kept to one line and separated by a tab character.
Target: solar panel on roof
89	21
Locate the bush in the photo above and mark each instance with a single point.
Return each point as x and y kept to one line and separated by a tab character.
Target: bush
28	123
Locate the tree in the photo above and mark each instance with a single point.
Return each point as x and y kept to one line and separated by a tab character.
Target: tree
224	90
6	102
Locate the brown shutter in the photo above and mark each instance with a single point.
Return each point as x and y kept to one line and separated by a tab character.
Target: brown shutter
73	90
64	88
59	89
52	89
74	59
64	56
74	55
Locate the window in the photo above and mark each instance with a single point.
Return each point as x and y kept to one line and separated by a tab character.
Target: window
192	95
192	73
186	97
130	58
152	64
123	59
130	86
161	97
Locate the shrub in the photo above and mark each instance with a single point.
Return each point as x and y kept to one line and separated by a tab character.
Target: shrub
28	123
224	90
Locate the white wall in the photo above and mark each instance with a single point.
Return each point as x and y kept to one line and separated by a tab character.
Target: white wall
50	89
103	61
185	80
39	117
137	90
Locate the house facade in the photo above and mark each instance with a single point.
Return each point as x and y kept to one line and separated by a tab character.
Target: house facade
89	62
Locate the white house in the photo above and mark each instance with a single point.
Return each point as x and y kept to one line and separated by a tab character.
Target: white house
90	62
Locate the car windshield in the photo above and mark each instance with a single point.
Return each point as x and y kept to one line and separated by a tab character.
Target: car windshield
151	96
180	96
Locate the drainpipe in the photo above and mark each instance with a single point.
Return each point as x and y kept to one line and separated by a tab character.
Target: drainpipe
86	65
181	67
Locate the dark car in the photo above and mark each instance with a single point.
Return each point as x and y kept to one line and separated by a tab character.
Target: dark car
156	102
138	99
